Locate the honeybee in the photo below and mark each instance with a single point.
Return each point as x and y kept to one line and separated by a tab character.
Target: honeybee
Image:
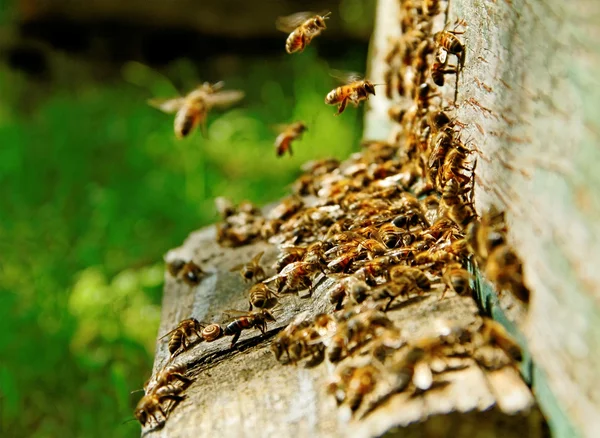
150	405
180	335
494	333
448	40
439	70
224	207
417	276
167	376
286	208
346	286
191	274
260	295
351	384
289	254
289	133
247	320
251	270
192	109
284	340
294	277
504	268
304	26
391	290
456	279
355	91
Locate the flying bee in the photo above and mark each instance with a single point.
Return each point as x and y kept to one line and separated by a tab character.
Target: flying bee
303	27
260	295
151	404
247	320
192	109
289	133
180	335
456	279
356	90
251	270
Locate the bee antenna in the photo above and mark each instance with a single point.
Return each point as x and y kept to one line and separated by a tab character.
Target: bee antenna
128	420
326	15
136	390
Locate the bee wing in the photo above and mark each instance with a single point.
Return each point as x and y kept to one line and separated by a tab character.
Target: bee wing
291	22
167	105
346	77
237	267
223	99
257	257
169	333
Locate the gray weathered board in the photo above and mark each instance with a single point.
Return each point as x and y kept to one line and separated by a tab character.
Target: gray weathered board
246	392
530	97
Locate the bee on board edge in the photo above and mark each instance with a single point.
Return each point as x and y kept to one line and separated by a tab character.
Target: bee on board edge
288	133
246	320
191	110
302	28
355	91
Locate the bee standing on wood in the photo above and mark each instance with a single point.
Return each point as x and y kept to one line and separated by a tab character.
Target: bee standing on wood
288	133
192	109
303	27
247	320
356	90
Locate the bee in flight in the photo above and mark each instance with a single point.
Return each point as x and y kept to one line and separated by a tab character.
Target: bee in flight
288	133
302	28
355	90
191	110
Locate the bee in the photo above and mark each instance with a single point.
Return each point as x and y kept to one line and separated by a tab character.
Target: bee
286	208
347	286
294	277
191	274
494	333
391	290
456	279
304	26
180	335
151	404
448	40
289	133
251	270
224	207
247	320
167	376
284	341
351	384
355	91
419	280
439	70
192	109
504	268
486	235
260	295
289	254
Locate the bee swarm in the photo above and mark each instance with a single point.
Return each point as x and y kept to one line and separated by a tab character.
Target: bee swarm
375	321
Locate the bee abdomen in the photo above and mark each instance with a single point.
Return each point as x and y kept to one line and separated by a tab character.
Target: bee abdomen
332	97
294	42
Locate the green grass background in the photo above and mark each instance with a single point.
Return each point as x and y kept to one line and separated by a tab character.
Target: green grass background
95	189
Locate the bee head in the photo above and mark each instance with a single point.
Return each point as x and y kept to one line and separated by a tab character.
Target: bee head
369	88
320	20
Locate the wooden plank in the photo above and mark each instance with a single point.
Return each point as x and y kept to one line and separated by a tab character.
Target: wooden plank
528	95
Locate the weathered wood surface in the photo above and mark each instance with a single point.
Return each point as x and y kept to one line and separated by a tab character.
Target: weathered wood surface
529	95
245	391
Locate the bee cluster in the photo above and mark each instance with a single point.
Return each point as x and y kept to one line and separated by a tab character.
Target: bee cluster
392	225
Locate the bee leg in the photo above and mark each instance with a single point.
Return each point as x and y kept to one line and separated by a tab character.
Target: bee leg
342	107
235	338
290	149
203	129
389	303
250	309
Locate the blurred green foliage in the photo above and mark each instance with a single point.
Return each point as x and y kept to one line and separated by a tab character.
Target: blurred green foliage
95	189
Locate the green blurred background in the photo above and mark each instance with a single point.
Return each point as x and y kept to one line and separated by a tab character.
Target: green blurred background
95	188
